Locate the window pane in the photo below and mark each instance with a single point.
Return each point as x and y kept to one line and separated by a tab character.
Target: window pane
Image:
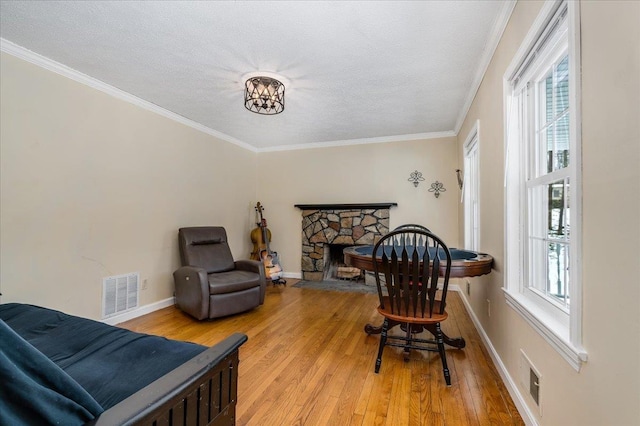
547	98
550	148
548	257
562	86
567	203
555	139
557	209
539	211
538	263
553	126
561	159
558	272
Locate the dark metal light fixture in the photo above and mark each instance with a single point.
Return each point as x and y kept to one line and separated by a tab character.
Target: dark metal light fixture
264	95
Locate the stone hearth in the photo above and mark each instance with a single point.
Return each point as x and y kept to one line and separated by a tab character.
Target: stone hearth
338	224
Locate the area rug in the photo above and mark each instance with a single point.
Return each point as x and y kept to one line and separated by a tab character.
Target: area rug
338	285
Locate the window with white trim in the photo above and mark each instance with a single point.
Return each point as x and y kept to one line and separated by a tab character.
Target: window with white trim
542	180
471	190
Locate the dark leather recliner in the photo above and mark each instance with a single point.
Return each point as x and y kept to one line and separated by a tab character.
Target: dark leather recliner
210	284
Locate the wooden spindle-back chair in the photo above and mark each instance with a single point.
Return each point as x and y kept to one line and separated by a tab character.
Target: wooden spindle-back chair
411	226
406	267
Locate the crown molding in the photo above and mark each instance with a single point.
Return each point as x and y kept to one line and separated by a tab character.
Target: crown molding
364	141
27	55
499	25
20	52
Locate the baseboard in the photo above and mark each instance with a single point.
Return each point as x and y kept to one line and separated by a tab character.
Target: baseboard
138	312
512	388
296	275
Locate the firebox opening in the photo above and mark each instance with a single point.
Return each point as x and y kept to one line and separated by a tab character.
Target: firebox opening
334	266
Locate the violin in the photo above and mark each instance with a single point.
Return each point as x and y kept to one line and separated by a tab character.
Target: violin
261	236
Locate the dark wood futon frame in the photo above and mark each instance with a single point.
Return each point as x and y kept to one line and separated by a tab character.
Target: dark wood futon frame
202	391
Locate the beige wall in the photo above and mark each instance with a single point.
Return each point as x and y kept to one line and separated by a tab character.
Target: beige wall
99	187
369	173
607	389
92	186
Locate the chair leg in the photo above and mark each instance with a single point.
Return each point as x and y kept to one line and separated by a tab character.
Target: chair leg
443	357
407	350
383	341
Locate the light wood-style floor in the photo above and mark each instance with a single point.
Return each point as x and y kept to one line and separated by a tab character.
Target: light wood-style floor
309	362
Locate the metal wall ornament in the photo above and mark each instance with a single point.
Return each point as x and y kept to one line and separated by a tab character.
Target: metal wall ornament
416	178
437	188
264	95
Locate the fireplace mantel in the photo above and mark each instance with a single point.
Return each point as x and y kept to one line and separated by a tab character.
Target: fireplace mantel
352	206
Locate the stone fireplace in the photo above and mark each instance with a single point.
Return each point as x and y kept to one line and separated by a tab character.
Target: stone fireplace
329	227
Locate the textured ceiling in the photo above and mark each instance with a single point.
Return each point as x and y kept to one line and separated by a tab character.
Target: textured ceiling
353	71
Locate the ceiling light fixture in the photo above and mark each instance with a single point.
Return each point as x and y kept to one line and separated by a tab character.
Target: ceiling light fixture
264	95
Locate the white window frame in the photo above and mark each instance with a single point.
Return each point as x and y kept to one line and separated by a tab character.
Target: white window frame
471	189
561	329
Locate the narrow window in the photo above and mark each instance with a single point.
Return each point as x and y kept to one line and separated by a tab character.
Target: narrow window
471	191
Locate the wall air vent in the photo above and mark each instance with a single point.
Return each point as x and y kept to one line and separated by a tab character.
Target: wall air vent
531	380
120	293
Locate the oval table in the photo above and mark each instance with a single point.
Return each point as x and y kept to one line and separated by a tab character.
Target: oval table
464	263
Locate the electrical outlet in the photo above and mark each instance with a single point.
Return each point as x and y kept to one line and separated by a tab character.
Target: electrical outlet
468	288
488	307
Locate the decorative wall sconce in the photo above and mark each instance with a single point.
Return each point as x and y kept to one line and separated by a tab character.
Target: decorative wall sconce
416	178
459	176
437	188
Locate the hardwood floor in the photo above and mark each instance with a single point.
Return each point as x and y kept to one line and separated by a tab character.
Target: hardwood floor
309	362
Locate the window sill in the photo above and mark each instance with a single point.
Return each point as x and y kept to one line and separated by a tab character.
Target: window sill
552	330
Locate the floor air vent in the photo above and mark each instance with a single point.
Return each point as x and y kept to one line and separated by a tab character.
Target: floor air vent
120	293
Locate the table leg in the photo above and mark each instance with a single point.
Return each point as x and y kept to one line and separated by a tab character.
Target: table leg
456	342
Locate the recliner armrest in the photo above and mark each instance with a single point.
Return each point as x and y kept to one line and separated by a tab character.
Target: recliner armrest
250	265
192	291
257	267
